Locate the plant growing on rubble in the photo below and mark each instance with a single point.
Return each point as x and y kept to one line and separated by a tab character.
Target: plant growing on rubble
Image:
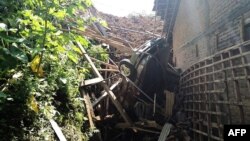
40	68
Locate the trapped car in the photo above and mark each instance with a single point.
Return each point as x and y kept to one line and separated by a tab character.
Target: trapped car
149	69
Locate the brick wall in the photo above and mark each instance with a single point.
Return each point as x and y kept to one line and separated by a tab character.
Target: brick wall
212	25
206	30
216	91
220	8
229	34
190	22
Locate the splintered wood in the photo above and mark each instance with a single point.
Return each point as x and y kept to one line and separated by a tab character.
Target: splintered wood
57	130
91	81
90	111
169	103
105	86
119	44
105	93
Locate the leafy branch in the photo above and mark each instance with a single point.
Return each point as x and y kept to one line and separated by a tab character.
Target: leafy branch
26	51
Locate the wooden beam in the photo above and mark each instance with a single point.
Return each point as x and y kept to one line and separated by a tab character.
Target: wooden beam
89	109
109	70
145	130
117	39
116	103
88	30
58	130
118	45
105	93
86	56
105	86
91	81
127	43
169	103
110	36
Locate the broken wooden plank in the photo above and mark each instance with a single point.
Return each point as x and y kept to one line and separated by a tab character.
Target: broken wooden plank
89	108
169	103
105	86
58	130
109	70
88	30
91	81
125	42
117	103
86	56
110	36
105	93
145	130
99	99
119	46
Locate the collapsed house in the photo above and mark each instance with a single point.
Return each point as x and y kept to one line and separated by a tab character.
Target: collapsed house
138	98
210	42
131	99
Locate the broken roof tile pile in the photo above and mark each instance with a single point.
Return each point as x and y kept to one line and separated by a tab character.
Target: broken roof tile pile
135	29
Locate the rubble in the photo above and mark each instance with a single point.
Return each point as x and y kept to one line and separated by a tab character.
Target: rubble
136	29
122	106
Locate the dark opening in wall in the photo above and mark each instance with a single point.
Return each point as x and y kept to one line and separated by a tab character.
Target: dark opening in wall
247	32
196	51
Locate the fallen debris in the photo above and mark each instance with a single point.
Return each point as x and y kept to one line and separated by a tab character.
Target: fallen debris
57	130
106	88
141	110
136	29
140	103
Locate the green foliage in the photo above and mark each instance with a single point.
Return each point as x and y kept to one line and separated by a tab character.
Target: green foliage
99	52
103	23
41	67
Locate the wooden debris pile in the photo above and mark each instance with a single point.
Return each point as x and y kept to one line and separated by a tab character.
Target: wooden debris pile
112	108
112	101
